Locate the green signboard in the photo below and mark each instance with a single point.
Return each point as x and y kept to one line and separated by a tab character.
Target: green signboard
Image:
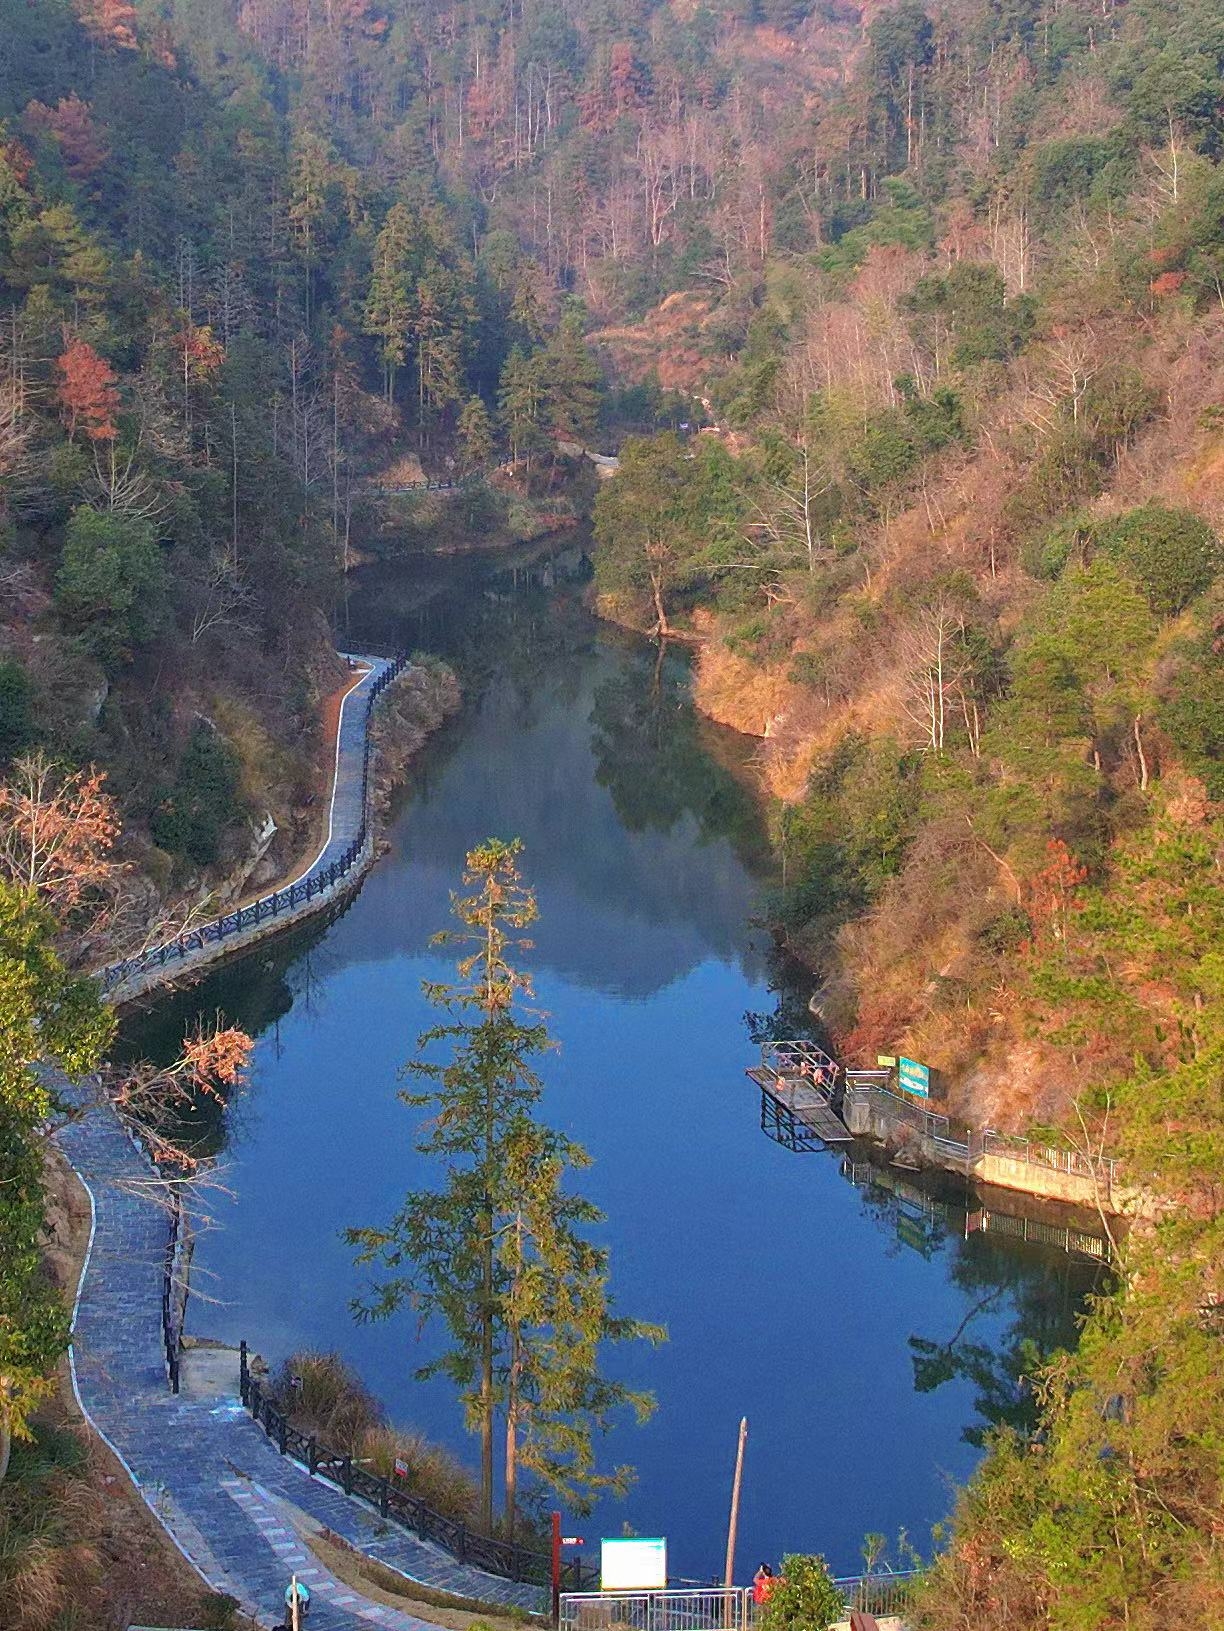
914	1078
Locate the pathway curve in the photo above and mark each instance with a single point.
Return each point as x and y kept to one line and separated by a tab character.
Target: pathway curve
345	854
207	1472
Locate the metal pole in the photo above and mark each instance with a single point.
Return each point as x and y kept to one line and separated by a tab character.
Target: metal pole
293	1608
556	1568
733	1525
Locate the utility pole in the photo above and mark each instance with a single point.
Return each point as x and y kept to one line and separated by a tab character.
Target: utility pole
733	1525
556	1568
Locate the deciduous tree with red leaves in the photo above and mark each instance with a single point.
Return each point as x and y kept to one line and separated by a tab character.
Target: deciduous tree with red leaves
70	123
57	830
113	21
87	393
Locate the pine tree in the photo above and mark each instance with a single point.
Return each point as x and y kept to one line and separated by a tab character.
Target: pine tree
389	306
496	1253
557	1315
442	1244
475	431
572	379
521	400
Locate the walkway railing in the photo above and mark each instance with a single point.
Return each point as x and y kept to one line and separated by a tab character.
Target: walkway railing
1061	1236
174	1289
421	486
393	1501
282	901
713	1608
1047	1155
965	1145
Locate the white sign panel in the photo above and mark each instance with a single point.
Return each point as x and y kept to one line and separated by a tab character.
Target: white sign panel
633	1564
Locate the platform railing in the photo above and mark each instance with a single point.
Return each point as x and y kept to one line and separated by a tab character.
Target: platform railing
714	1608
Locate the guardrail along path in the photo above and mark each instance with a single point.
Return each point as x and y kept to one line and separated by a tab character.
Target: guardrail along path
346	853
191	1458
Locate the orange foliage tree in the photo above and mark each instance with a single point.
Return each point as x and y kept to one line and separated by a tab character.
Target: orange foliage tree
202	353
57	830
215	1058
87	393
70	123
112	21
1055	890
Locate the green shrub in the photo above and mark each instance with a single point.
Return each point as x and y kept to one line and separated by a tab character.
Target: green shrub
110	582
1193	715
191	817
1007	932
804	1597
1046	555
17	729
1173	554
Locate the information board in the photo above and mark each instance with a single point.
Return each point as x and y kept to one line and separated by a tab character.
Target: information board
914	1078
633	1563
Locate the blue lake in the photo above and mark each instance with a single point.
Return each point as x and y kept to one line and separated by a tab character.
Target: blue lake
791	1293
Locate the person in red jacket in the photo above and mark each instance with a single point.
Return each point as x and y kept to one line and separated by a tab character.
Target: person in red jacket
762	1584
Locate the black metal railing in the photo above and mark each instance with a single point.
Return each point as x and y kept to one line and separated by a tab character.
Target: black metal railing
174	1289
281	901
395	1502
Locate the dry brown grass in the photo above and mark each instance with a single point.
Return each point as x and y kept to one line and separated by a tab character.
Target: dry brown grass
335	1406
433	1472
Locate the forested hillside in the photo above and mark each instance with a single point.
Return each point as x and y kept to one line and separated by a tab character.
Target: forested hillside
907	323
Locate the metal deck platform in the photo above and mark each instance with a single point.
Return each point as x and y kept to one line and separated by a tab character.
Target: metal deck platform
804	1106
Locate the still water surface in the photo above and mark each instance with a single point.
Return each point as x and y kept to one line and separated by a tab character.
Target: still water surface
793	1297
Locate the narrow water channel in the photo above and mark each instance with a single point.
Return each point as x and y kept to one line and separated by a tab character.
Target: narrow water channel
867	1339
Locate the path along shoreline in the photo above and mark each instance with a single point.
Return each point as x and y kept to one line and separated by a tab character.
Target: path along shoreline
346	855
206	1471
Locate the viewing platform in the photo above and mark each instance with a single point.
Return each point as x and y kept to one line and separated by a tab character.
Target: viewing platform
798	1082
809	1103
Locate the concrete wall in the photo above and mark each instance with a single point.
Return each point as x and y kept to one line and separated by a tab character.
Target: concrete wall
1033	1179
871	1116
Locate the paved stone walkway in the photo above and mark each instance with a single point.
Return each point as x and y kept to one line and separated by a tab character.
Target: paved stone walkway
343	825
203	1466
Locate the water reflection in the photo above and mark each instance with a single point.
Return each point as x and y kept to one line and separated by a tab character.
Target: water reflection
1033	1264
789	1296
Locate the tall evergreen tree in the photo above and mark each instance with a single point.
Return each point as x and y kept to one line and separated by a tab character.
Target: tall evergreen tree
389	306
495	1254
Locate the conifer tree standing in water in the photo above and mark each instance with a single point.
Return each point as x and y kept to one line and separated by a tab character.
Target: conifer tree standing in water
495	1252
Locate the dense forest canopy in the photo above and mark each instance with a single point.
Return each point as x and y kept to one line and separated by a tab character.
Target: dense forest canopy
907	323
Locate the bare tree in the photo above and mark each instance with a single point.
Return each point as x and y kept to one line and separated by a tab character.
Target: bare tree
934	666
788	512
223	598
